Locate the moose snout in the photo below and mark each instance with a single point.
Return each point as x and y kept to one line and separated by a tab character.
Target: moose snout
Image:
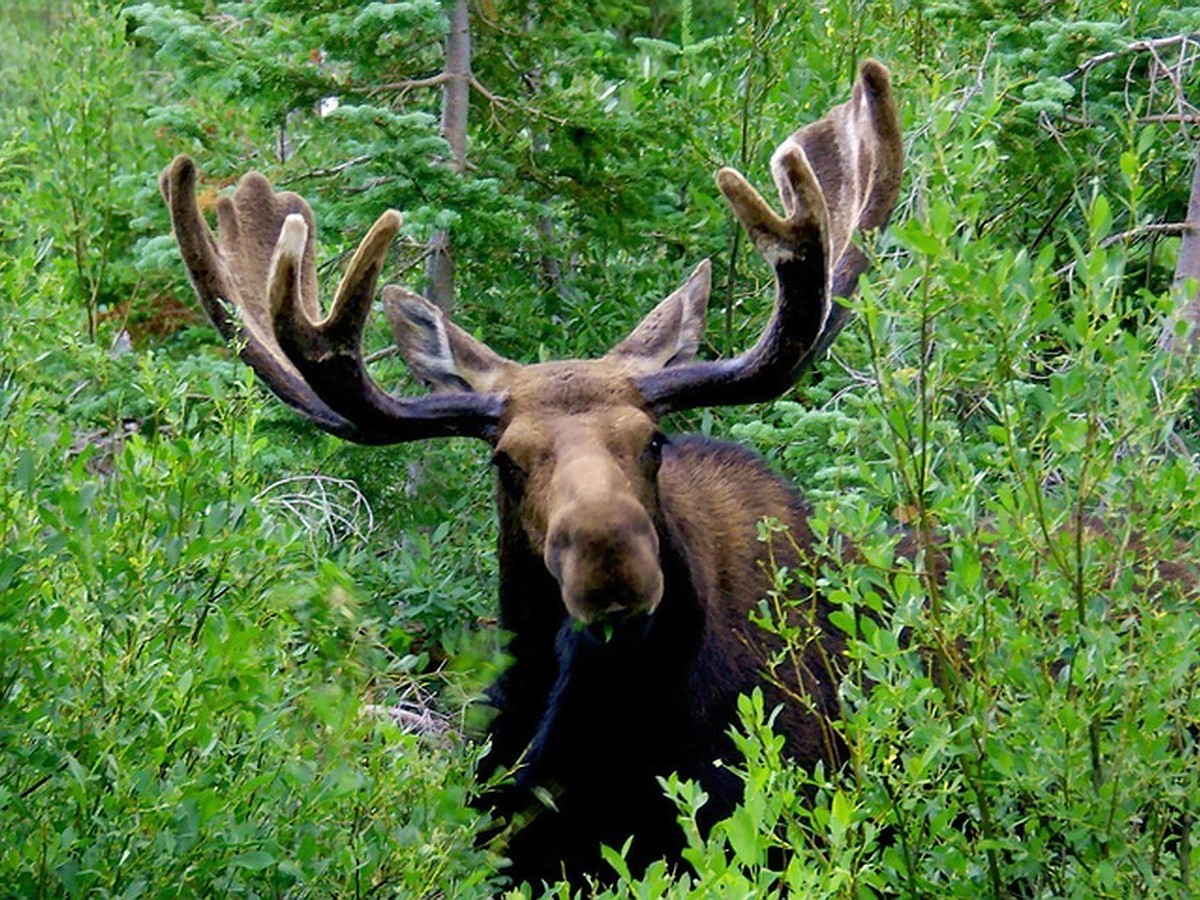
604	555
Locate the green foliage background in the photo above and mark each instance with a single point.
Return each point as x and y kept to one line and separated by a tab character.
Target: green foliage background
204	606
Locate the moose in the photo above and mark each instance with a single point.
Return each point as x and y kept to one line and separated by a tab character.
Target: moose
629	560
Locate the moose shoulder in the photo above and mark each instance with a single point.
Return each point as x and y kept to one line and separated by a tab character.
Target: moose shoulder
628	560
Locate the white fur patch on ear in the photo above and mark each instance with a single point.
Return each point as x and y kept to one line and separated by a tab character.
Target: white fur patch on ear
420	331
672	332
440	354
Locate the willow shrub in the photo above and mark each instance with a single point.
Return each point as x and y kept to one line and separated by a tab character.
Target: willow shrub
1025	721
186	690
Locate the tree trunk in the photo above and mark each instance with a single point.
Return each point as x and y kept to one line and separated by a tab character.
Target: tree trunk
456	93
551	267
1182	339
456	99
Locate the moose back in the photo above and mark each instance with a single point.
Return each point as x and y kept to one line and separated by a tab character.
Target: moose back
628	560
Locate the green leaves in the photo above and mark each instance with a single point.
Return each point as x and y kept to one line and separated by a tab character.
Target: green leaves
183	690
188	672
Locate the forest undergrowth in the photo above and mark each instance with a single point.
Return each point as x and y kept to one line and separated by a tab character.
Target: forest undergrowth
238	658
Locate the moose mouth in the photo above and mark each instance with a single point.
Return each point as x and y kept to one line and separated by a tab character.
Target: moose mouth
617	625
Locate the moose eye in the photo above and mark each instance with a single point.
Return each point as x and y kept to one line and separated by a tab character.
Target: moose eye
512	477
654	449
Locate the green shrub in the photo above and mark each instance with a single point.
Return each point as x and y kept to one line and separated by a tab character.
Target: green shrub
204	607
1025	722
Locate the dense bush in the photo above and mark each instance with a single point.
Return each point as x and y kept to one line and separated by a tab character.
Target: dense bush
216	628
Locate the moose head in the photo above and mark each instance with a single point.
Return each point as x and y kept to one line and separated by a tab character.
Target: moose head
602	518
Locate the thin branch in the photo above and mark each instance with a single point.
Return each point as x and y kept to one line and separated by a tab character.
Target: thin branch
1151	45
408	84
331	171
1156	228
1182	118
1184	228
494	99
383	353
975	89
340	168
415	717
370	184
506	104
1050	222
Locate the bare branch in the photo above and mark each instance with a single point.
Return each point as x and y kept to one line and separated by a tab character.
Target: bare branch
331	171
1155	228
1143	46
1181	118
408	84
477	86
418	718
370	184
332	507
384	353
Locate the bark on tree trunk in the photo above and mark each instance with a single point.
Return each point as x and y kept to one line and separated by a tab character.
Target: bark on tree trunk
456	99
456	93
1187	270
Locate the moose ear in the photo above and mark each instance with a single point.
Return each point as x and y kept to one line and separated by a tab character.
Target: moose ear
671	333
440	354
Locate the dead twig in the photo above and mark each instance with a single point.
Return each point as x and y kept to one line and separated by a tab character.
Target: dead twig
320	504
330	171
405	85
1142	46
1142	230
410	717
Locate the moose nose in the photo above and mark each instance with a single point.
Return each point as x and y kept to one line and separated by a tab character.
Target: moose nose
604	555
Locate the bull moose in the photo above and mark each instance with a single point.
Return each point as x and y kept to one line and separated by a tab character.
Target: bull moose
628	560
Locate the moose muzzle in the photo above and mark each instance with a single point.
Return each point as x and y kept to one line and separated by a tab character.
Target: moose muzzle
603	551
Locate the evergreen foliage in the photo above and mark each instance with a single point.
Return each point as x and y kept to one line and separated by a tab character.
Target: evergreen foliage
207	612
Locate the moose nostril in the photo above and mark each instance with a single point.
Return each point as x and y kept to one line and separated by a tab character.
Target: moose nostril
604	560
559	540
557	543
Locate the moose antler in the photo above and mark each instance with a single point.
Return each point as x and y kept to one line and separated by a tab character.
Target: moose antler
836	176
258	284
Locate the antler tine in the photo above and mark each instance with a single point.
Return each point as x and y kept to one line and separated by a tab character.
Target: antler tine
307	338
835	176
872	166
263	266
216	287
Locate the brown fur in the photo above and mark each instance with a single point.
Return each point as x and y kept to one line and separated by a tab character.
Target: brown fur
596	718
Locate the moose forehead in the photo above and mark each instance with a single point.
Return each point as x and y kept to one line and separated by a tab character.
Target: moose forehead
572	386
557	404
